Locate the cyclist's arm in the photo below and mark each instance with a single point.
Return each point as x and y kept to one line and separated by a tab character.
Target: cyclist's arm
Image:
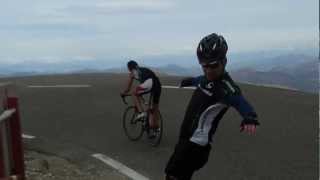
243	107
250	118
129	84
190	81
234	98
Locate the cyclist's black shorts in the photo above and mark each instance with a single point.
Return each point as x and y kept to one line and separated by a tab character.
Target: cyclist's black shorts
187	158
155	90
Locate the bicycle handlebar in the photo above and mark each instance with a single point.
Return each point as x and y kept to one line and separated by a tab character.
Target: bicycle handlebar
123	97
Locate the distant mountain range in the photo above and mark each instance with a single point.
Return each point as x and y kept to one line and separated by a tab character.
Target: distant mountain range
296	71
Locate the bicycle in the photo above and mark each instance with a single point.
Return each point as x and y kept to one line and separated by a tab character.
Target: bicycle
134	128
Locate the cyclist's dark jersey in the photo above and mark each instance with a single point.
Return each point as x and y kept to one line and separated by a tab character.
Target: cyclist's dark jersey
209	102
145	73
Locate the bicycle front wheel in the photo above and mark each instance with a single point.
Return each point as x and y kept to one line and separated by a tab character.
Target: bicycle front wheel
133	128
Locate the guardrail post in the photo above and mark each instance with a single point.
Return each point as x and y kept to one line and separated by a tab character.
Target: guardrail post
2	165
16	139
4	154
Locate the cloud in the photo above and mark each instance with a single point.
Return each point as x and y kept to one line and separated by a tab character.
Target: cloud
97	8
77	13
64	29
135	5
261	39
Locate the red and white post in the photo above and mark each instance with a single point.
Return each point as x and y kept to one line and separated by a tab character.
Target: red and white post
11	146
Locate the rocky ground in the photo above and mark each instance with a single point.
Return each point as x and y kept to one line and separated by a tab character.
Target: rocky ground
55	160
40	166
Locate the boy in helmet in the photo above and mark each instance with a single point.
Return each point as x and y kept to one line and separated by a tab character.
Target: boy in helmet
215	93
149	83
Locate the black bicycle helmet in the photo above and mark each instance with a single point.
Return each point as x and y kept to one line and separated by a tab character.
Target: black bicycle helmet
212	49
132	65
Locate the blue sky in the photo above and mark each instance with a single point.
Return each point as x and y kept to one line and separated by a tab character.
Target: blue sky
83	30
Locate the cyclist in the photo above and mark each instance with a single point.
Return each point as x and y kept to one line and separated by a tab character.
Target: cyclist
215	93
149	83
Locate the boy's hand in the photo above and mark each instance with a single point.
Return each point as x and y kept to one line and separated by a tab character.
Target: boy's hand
249	126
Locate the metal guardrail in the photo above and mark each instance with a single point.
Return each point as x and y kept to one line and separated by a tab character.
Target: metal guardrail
11	149
6	114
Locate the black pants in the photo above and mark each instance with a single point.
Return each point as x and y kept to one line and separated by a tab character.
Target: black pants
187	158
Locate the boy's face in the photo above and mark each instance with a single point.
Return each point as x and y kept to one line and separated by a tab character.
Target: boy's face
134	73
131	70
213	71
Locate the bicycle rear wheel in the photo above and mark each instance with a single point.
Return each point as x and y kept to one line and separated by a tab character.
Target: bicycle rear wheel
155	141
133	128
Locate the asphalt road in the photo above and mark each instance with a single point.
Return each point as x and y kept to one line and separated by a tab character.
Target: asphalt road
285	147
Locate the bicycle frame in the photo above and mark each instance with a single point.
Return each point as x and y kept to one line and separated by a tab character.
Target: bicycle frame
148	104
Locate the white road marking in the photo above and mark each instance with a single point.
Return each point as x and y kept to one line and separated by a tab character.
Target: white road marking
177	87
61	86
26	136
120	167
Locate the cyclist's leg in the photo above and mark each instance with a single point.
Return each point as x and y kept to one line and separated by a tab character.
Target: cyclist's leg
177	167
169	177
186	176
154	118
137	99
141	89
186	159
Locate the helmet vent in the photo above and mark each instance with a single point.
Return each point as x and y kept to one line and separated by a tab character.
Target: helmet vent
214	46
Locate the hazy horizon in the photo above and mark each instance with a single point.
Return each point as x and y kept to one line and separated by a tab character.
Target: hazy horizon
65	31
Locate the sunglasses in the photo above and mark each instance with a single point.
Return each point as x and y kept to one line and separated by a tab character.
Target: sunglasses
211	66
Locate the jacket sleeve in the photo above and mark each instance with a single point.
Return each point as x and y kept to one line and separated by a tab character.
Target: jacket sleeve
244	108
234	98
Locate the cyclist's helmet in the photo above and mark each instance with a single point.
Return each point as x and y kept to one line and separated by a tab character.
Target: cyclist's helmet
132	65
212	49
